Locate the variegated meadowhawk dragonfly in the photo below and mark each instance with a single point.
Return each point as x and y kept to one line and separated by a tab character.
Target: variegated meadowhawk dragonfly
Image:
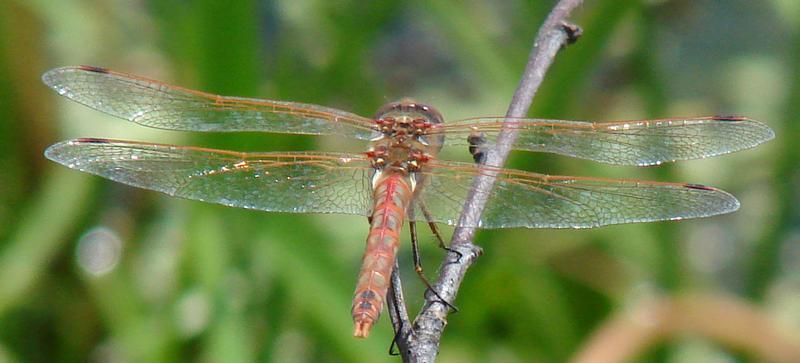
399	177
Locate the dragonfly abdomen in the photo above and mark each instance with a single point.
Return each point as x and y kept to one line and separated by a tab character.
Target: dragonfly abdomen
392	195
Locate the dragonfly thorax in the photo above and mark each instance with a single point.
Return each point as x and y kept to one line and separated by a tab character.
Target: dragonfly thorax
409	157
409	120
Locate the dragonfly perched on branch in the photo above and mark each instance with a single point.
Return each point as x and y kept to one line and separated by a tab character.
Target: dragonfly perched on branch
399	176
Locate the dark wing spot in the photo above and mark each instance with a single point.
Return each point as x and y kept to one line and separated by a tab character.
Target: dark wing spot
93	69
92	140
699	187
730	118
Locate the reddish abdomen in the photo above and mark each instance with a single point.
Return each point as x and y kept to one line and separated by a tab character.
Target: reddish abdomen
391	195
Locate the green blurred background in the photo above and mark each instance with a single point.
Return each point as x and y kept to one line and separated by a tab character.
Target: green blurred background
95	271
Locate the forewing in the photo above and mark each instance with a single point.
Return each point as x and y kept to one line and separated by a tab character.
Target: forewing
522	199
644	142
156	104
277	182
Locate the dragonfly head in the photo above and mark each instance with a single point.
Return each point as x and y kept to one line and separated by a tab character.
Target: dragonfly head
409	108
411	118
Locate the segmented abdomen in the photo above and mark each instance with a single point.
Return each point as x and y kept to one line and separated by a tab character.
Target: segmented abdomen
391	195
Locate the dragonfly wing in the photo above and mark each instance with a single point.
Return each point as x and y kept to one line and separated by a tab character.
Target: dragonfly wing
160	105
523	199
277	182
645	142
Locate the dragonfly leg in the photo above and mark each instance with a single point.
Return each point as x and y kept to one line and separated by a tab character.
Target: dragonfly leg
395	300
393	347
435	231
418	267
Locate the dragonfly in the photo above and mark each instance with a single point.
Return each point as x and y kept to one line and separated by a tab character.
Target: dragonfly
398	177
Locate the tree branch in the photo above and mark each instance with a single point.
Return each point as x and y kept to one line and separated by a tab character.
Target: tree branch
422	345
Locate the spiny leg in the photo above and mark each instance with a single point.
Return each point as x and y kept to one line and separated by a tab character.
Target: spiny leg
396	302
393	348
435	230
418	266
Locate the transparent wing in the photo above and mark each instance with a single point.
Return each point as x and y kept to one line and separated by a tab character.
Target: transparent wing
523	199
644	142
156	104
278	182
